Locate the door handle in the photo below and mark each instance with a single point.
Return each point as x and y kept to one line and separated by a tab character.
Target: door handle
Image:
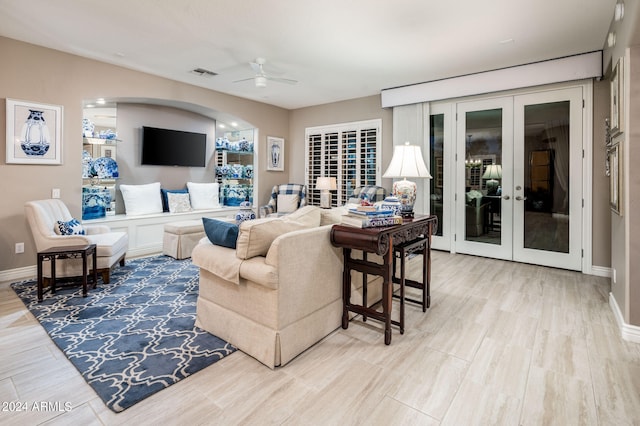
519	198
506	197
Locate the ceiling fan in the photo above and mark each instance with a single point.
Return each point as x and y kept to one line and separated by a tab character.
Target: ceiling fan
261	77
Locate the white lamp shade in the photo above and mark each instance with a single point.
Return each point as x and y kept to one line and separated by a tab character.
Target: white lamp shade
328	183
493	171
407	162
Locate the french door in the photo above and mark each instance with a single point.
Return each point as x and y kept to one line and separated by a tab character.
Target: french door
517	177
548	178
484	204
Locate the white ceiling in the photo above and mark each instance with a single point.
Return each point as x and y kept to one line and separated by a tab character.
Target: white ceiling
336	49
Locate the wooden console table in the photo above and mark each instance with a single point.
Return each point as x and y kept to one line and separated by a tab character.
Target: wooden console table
67	252
381	241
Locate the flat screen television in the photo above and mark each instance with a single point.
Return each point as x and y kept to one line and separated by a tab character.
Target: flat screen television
164	147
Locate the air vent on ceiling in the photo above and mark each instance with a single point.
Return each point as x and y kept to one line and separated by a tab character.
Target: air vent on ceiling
203	72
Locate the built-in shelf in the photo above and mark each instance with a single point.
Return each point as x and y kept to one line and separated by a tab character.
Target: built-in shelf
235	166
98	193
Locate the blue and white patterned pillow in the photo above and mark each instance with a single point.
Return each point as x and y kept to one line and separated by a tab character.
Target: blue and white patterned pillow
72	227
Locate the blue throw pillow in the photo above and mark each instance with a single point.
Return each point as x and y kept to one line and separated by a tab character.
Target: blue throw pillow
221	233
72	227
165	198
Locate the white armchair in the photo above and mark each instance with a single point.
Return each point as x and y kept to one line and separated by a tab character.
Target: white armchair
111	247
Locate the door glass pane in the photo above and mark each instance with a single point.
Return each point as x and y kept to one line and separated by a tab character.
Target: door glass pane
483	174
437	168
546	177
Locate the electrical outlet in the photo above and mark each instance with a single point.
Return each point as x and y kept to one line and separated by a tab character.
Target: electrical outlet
19	248
55	193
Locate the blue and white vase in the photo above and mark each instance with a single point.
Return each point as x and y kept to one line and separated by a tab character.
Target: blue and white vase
243	144
392	203
34	138
86	164
238	171
87	128
245	212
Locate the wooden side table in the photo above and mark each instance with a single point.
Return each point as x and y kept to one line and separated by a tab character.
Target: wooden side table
68	252
383	242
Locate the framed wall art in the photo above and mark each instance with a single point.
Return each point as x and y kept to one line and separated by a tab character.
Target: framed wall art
614	153
34	133
617	90
275	153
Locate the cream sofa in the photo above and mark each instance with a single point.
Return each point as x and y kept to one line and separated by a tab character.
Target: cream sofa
280	290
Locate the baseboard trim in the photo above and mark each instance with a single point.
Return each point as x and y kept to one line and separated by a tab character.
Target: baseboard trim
601	271
28	272
31	272
144	251
628	332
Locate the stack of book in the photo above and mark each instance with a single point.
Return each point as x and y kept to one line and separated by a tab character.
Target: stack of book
369	217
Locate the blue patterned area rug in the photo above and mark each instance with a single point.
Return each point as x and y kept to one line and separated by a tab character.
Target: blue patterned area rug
133	337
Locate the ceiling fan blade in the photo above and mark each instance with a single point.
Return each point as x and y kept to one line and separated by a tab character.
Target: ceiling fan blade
282	80
244	79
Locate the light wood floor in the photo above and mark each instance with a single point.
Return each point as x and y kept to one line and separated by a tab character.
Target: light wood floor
502	344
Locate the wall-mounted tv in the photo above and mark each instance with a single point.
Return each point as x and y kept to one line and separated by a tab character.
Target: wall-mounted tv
164	147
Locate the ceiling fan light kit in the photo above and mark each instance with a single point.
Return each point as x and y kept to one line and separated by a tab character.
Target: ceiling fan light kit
261	81
261	77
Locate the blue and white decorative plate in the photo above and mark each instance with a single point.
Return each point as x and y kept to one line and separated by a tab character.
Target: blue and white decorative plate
104	168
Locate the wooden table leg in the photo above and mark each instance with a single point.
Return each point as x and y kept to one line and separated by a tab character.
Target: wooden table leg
402	286
53	273
40	283
387	292
84	273
428	268
364	287
346	287
95	267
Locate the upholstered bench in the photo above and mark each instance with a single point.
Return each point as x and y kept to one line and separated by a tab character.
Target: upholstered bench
181	237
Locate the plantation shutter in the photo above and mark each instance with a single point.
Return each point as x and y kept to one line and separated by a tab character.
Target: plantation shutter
348	152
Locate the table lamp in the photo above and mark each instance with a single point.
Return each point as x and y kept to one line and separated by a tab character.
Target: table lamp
492	172
326	184
406	163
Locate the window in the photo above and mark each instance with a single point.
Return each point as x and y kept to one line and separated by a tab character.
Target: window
348	152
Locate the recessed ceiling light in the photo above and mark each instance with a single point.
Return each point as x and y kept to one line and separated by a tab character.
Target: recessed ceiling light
101	101
222	126
618	13
506	41
234	124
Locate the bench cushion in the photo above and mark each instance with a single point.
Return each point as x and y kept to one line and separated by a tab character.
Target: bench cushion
184	227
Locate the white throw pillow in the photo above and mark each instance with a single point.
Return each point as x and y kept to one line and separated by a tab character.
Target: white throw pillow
204	195
178	202
142	199
288	203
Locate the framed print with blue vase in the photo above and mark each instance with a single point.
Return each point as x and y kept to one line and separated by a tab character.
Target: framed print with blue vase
34	133
275	154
